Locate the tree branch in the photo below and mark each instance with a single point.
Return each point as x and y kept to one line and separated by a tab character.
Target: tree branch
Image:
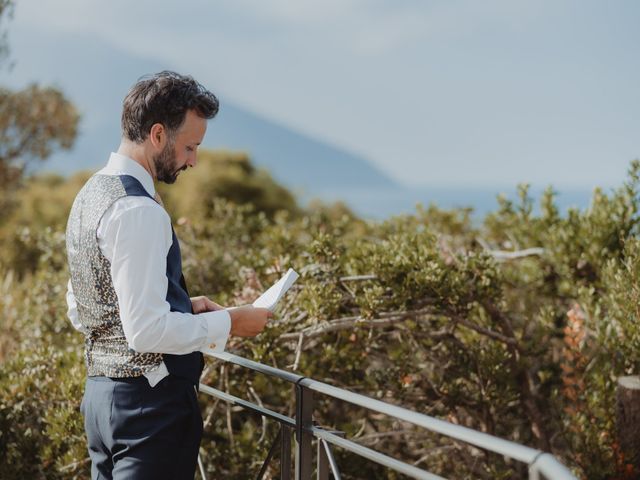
345	323
358	278
512	255
502	255
487	333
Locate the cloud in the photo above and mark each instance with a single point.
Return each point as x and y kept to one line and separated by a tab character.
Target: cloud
360	26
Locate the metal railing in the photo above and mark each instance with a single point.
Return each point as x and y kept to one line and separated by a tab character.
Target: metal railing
541	465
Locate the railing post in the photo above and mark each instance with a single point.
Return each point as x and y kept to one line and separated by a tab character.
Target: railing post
628	420
304	422
285	454
323	463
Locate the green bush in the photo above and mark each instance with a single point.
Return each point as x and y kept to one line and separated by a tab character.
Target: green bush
42	434
422	310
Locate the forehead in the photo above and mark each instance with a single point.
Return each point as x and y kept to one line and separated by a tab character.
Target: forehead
193	128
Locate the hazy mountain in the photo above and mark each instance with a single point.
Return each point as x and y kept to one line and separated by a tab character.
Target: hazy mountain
96	76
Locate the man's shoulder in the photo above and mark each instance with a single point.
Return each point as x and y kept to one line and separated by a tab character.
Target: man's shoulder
138	205
100	185
116	188
98	192
115	196
139	213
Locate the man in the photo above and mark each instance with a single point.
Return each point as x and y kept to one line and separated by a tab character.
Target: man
144	334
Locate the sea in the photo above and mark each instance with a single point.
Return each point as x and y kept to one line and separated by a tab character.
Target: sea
378	204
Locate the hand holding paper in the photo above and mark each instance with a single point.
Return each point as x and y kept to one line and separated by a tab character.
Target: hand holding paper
247	322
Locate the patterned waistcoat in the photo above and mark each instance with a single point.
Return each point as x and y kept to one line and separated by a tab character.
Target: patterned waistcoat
107	352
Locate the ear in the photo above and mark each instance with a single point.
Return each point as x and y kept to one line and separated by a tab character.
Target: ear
158	136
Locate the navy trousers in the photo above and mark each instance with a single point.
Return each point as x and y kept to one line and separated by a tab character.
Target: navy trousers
138	432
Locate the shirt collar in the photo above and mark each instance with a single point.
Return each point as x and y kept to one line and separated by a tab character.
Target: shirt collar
122	165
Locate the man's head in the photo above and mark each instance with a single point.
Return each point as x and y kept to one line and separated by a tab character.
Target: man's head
168	111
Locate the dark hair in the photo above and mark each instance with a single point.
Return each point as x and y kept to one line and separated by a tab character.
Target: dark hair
164	98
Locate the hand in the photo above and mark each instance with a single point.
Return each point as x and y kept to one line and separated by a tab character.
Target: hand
203	304
248	321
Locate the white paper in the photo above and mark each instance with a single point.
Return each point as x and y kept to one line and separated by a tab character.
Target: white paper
272	296
268	299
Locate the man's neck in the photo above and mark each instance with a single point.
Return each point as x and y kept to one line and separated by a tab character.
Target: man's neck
138	152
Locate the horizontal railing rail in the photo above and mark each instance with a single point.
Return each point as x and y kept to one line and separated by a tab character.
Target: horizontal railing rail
540	464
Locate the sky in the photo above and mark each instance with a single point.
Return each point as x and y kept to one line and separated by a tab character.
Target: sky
434	92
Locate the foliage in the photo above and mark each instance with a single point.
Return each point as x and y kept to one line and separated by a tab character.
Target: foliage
41	432
422	310
34	122
41	210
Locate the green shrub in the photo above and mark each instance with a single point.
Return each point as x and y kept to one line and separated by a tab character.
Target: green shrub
422	310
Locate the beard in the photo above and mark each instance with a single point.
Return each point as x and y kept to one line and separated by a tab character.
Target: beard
165	164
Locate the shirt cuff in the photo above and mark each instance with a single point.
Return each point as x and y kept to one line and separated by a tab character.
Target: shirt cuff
218	328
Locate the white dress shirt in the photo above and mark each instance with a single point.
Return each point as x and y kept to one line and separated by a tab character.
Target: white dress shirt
134	234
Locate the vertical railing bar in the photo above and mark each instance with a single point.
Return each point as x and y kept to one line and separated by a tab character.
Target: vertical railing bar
285	454
534	474
203	474
332	461
304	424
534	471
546	466
267	460
323	463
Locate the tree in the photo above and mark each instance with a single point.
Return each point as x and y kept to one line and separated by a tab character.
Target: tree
33	123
